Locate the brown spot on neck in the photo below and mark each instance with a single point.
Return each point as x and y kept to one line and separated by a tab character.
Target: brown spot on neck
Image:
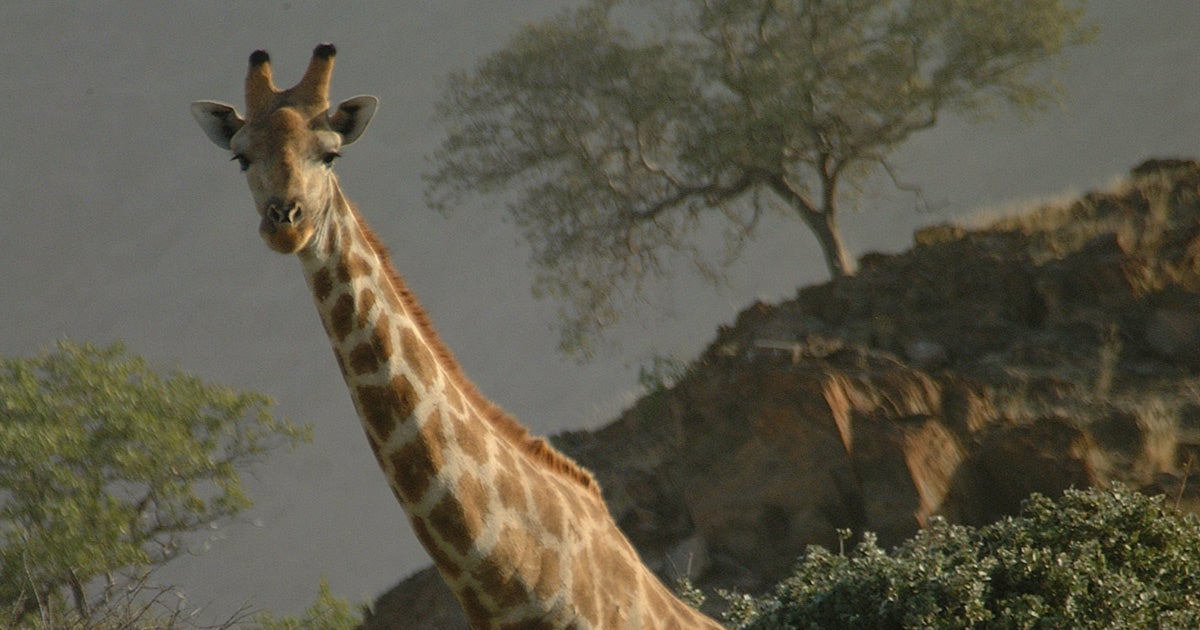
363	359
549	507
385	406
511	490
341	317
417	462
499	581
470	440
366	300
351	266
458	517
478	616
322	285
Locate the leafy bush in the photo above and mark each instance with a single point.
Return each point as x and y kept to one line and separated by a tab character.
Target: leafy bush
1092	559
328	612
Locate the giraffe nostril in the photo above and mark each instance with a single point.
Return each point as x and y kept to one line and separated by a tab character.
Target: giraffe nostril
283	215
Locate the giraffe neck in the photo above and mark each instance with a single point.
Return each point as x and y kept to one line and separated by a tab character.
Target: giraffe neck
387	348
518	531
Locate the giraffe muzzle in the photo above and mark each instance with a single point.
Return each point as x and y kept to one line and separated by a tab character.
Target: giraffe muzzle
284	226
282	214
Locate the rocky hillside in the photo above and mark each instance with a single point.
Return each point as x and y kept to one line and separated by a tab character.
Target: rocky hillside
1057	348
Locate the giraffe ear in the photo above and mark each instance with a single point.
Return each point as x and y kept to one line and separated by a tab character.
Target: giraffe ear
218	120
352	117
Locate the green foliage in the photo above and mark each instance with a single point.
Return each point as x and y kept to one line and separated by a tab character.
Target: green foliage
105	464
328	612
662	373
619	125
1093	559
689	593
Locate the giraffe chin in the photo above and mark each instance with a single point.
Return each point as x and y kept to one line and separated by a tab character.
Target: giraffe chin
286	240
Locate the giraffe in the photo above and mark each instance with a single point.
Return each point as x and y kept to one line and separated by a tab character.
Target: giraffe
518	531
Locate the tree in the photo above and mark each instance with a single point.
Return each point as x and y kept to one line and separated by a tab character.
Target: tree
105	466
617	141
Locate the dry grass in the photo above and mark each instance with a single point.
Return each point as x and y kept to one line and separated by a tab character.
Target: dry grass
1035	214
1139	210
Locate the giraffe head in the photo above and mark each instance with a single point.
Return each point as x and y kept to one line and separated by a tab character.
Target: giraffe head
286	145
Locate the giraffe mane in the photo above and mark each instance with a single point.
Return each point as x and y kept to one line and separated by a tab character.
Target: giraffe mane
537	448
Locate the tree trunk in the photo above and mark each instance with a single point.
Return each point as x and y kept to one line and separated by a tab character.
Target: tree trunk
824	227
822	221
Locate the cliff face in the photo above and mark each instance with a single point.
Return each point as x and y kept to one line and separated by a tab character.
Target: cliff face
1053	349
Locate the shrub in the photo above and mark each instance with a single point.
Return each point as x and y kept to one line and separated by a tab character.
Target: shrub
1092	559
328	612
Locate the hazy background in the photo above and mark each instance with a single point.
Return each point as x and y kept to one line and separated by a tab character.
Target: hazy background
119	220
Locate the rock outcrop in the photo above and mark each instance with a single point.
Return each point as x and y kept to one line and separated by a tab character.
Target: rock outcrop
1055	349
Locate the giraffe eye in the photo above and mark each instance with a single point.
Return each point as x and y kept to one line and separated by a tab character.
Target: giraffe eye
242	161
328	158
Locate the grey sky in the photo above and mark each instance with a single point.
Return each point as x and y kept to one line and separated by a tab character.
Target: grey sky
118	219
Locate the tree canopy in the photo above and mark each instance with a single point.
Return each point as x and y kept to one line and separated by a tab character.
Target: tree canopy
619	125
105	466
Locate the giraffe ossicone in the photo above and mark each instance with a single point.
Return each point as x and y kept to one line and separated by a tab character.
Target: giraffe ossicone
519	532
